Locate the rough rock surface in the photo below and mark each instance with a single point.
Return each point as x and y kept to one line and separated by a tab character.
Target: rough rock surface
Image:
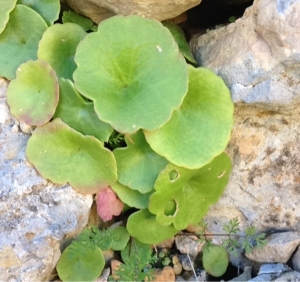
258	56
296	260
99	10
279	248
34	214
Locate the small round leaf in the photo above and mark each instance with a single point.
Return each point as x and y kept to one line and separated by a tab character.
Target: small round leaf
132	69
200	129
215	260
58	46
80	264
62	155
78	113
48	9
138	165
19	40
71	17
5	8
143	226
33	95
120	238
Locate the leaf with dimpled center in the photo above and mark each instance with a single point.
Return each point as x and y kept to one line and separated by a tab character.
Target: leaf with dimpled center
5	8
200	129
132	69
33	95
48	9
62	155
183	196
80	114
138	165
20	38
58	46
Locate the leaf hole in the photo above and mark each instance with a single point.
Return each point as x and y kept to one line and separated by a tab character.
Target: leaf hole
221	174
170	208
173	175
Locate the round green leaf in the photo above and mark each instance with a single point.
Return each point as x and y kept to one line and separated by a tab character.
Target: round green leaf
58	46
5	8
215	260
180	39
80	264
19	41
143	226
183	196
62	155
71	17
48	9
132	69
33	95
200	129
131	197
79	114
138	165
120	238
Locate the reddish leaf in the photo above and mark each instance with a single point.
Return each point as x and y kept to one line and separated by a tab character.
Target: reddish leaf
108	204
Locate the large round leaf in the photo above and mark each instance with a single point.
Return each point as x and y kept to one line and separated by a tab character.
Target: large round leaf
79	263
48	9
130	197
80	114
5	8
138	165
19	41
132	69
33	95
62	154
58	47
183	196
143	226
200	129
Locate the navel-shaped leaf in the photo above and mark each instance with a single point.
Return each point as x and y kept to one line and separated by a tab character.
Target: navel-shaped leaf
58	47
180	39
19	41
80	114
215	260
200	129
132	69
78	263
132	198
5	8
62	155
138	165
183	196
33	95
48	9
143	226
71	17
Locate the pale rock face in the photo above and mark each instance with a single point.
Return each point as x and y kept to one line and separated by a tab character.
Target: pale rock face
35	215
258	56
99	10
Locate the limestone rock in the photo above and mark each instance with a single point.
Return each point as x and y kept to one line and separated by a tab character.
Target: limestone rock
296	260
34	213
99	10
279	248
258	56
188	245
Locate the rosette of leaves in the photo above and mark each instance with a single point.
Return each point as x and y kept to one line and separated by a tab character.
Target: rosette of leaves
132	70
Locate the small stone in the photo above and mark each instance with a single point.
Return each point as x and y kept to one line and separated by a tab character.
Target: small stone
177	268
25	128
273	268
186	264
245	276
114	265
165	274
296	260
166	244
104	275
188	245
279	248
15	128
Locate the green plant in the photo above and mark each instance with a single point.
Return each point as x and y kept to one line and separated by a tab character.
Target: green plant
125	83
215	258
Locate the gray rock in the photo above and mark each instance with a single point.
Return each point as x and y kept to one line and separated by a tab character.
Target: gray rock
296	260
273	268
185	262
292	276
188	245
99	10
261	278
258	56
279	248
245	276
35	215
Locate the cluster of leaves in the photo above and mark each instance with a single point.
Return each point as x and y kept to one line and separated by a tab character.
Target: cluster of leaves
216	257
87	88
